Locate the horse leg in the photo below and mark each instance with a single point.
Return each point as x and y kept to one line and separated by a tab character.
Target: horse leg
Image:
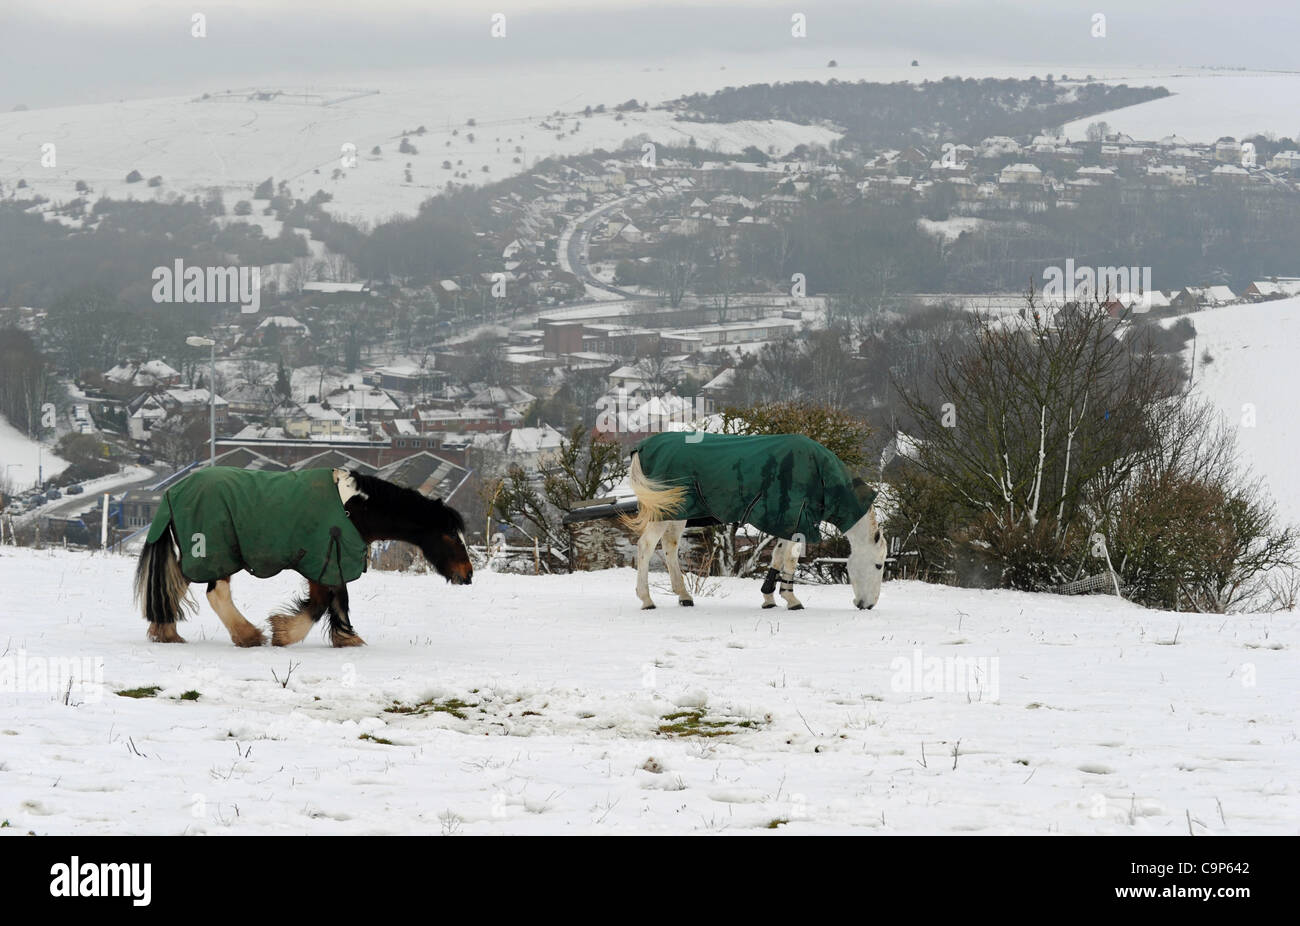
242	633
671	538
787	577
290	627
769	581
645	548
341	632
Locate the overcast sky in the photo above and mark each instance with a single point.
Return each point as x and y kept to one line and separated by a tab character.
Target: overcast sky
58	52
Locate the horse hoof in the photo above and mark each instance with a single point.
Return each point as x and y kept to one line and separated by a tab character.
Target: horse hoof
686	602
770	604
257	638
346	639
795	607
287	629
648	607
164	633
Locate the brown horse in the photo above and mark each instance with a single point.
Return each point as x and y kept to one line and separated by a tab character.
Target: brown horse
373	508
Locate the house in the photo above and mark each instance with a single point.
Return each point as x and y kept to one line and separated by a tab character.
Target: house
998	146
146	374
1021	175
532	447
193	402
322	420
1194	297
1170	175
363	405
1136	303
406	378
1140	303
143	412
1227	150
1102	175
1285	160
282	327
1230	175
1276	288
503	397
427	473
311	420
337	292
720	386
334	459
252	399
243	458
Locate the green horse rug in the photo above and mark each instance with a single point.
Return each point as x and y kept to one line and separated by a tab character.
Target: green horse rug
785	485
227	520
318	522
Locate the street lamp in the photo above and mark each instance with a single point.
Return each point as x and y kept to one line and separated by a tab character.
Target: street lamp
195	341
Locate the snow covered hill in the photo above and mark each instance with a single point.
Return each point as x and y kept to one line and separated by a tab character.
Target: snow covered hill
553	705
22	458
232	140
1252	377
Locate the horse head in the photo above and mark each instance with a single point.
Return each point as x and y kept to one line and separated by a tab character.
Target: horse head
443	543
866	565
381	510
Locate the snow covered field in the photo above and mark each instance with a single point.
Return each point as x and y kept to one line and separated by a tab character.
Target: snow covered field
1252	379
553	705
1207	105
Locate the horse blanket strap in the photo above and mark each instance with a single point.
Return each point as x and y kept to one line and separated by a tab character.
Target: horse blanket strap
228	520
783	484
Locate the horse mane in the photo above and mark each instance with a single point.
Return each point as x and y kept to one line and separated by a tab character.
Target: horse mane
403	503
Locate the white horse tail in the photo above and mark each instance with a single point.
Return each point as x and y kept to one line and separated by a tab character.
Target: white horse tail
655	500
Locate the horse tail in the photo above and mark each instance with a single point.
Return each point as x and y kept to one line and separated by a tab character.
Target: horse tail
655	500
161	589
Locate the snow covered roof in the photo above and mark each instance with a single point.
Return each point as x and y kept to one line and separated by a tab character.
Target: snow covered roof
319	412
141	374
533	440
322	287
192	397
282	321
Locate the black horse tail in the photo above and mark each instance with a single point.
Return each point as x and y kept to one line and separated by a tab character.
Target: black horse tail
161	589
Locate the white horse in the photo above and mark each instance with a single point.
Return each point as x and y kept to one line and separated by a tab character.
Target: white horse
658	500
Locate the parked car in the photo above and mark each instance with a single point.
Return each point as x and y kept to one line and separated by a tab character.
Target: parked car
144	459
75	490
37	501
53	494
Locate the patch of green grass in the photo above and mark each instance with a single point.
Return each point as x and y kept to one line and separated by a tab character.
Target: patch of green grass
5	825
694	723
454	706
376	739
191	696
778	822
146	692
